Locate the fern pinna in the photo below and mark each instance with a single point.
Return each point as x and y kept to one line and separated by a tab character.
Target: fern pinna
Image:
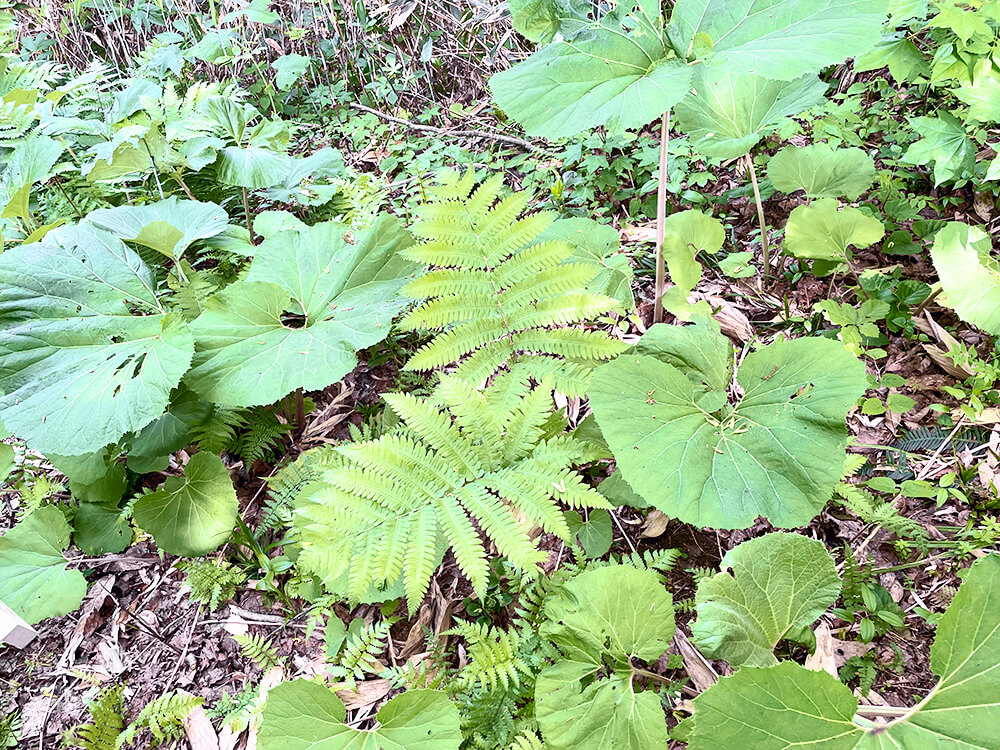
501	295
395	503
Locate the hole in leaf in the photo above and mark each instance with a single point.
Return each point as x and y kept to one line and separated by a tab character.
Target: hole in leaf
293	320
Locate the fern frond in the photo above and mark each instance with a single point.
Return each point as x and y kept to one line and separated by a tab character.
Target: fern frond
259	650
163	718
107	721
496	290
494	657
212	582
457	462
362	650
528	741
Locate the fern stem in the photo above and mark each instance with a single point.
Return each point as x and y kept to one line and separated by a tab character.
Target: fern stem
765	246
661	218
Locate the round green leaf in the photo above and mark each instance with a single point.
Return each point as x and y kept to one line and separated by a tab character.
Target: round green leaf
779	38
86	352
604	75
969	274
602	622
193	514
728	113
776	453
34	581
303	715
769	587
821	231
168	226
312	299
785	706
822	171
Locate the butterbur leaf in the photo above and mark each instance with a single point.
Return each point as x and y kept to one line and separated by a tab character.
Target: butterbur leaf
781	39
969	274
168	226
822	171
289	69
777	452
602	76
769	587
604	622
823	231
101	529
687	233
773	708
34	580
303	715
728	113
30	161
899	54
943	142
87	354
311	300
542	20
193	514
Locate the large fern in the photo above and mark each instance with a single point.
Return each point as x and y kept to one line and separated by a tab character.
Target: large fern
499	298
107	721
462	456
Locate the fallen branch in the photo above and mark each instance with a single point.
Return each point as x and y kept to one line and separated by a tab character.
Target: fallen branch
509	139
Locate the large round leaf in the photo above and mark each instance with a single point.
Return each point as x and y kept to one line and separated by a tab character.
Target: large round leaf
781	39
602	76
312	299
168	226
728	113
603	622
193	514
822	171
769	588
34	581
303	715
969	274
777	452
86	352
823	231
785	706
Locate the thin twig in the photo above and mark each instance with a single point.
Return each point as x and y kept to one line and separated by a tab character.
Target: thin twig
764	244
661	218
509	139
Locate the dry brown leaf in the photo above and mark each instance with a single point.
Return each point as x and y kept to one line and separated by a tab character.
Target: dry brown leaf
823	659
699	669
199	731
656	524
368	693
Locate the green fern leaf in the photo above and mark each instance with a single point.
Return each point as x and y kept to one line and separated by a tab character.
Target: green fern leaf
496	293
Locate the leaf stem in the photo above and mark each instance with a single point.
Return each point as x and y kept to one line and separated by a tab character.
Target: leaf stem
764	244
661	218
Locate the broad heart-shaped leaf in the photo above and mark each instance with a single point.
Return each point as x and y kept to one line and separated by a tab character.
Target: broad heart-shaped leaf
781	39
599	244
786	706
193	514
822	171
728	113
86	352
312	299
776	453
604	75
30	161
768	588
602	622
541	20
822	231
969	274
34	581
687	233
168	226
944	142
303	715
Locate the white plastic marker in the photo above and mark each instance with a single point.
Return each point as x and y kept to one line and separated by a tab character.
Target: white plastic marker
13	630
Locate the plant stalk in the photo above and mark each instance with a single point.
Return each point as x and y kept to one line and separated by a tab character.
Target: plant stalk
764	244
661	218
